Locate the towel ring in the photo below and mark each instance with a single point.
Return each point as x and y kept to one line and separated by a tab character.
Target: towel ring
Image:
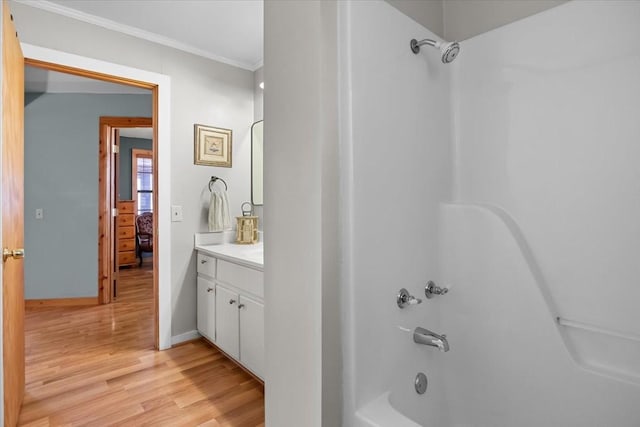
213	181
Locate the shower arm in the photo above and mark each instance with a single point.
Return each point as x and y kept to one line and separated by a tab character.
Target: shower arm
415	44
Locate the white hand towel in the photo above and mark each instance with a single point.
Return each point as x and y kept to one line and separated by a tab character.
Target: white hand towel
226	218
219	219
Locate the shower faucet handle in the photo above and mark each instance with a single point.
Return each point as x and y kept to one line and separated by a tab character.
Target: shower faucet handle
404	298
432	289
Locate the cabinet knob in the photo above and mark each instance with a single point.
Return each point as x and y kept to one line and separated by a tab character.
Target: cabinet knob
240	306
232	301
202	261
209	289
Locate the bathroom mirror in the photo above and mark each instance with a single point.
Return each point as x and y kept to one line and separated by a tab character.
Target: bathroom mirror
256	163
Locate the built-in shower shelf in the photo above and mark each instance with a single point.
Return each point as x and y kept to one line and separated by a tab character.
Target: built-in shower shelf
597	329
607	352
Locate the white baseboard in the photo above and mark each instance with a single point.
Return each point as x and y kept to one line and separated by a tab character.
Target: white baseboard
187	336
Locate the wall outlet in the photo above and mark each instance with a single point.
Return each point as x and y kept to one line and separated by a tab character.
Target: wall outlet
39	213
176	213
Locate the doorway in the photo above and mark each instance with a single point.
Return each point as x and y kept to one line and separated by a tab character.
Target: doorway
120	237
107	178
161	85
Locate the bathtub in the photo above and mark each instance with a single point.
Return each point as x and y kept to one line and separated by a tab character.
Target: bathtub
511	362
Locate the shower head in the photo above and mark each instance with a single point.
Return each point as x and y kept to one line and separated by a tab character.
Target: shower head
449	50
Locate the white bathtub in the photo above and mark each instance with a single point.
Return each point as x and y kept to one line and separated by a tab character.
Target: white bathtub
510	363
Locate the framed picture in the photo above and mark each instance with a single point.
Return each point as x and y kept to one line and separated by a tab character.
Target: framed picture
212	146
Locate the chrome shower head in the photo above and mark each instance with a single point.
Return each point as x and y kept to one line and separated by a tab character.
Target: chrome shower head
449	50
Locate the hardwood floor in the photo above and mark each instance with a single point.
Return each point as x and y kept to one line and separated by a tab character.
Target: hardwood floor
95	366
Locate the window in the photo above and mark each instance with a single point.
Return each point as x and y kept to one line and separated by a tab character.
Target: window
142	180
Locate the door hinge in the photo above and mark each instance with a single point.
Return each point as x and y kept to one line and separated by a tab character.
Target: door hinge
114	212
115	149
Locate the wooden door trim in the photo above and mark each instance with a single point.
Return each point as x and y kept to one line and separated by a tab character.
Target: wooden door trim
88	74
107	201
155	112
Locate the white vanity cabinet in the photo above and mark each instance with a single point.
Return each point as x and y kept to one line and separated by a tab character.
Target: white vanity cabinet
228	326
252	334
230	304
206	310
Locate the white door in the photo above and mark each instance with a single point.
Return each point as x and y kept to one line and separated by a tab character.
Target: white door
206	308
227	323
252	335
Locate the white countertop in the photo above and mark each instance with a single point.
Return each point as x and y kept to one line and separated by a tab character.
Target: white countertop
248	255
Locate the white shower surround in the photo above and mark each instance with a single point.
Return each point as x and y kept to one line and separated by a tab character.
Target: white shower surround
511	176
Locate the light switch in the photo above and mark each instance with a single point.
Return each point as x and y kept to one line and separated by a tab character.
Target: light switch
39	213
176	213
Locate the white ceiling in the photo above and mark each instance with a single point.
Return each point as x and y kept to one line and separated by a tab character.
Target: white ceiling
144	133
229	31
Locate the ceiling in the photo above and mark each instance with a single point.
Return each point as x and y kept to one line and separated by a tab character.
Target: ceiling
229	31
144	133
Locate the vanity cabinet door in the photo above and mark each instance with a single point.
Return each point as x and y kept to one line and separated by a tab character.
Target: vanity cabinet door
252	335
227	321
206	308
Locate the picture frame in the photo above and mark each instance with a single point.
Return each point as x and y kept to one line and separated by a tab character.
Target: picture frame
212	146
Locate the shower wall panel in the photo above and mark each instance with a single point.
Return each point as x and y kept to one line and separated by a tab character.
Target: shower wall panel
396	170
546	127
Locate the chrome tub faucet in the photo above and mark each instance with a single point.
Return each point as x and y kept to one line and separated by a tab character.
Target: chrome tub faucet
426	337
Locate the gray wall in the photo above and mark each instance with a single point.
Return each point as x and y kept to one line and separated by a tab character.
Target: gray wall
202	91
462	19
126	145
428	13
61	177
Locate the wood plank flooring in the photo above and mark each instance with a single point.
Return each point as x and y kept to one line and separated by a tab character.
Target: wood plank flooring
95	366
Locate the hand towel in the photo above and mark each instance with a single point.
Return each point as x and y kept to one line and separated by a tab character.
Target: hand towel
219	218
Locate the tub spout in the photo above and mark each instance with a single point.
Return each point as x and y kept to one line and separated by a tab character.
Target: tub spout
426	337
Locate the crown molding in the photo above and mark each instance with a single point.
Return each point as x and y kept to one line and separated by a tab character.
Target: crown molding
133	31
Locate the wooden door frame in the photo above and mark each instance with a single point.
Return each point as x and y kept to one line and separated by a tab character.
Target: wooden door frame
104	209
108	200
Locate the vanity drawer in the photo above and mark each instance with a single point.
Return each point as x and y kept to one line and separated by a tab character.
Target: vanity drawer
206	265
241	277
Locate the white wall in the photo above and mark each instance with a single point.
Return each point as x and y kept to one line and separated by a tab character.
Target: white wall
396	169
547	129
300	121
203	91
258	94
258	114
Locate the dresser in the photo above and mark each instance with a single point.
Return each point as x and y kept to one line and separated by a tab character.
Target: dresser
126	238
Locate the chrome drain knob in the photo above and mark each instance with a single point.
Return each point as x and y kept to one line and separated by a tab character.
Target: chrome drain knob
421	383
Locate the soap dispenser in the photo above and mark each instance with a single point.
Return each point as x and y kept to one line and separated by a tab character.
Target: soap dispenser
247	225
